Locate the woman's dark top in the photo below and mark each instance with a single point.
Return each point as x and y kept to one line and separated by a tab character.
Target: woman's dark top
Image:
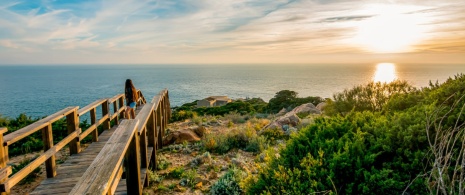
129	96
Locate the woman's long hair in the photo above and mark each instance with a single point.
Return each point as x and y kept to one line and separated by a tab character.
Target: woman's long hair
130	86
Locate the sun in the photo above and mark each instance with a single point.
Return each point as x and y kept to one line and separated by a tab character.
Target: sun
391	29
385	73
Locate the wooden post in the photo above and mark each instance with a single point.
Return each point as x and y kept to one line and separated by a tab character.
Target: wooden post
159	128
165	118
72	121
132	164
106	111
3	150
3	155
47	138
115	110
93	120
152	136
121	104
143	154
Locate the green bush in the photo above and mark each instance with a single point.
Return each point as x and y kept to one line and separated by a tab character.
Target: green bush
361	153
229	183
289	100
176	172
370	97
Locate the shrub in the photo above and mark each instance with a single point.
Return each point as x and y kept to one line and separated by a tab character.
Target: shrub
32	176
228	184
361	153
176	172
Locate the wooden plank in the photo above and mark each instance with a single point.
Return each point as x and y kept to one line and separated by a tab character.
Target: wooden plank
97	178
91	106
47	138
105	112
5	172
116	114
89	130
3	151
144	115
114	183
132	164
6	186
121	107
72	122
93	120
114	98
28	130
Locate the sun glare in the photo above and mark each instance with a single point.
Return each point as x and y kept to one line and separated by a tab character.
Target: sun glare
391	29
385	73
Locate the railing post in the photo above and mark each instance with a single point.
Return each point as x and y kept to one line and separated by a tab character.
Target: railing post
47	138
159	128
3	149
132	164
72	121
121	104
152	136
3	158
106	111
143	153
115	111
93	120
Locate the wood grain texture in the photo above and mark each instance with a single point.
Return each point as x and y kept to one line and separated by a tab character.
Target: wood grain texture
98	177
91	106
34	127
13	180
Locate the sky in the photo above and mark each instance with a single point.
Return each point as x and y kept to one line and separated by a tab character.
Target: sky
231	31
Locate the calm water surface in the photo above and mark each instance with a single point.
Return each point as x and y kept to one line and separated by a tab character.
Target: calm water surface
43	90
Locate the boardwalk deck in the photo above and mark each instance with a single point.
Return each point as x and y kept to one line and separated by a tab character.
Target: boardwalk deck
69	172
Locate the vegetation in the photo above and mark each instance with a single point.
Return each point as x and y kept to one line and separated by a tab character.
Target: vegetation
288	99
229	183
283	99
381	139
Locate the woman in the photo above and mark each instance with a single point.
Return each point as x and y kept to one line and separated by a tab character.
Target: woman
131	98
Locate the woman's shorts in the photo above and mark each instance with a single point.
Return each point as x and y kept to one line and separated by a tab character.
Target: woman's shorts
132	105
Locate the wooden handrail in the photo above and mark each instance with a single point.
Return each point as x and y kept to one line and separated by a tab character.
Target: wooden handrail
136	140
8	184
105	167
34	127
144	115
116	97
92	105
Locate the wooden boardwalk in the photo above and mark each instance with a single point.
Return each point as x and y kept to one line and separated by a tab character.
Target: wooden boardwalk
81	173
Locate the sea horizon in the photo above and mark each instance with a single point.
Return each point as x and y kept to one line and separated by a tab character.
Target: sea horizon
41	90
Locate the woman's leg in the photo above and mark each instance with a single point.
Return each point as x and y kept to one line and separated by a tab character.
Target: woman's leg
133	113
126	112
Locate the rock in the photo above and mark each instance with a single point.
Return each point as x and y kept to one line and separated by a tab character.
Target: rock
321	106
289	119
202	159
307	108
282	112
179	137
200	130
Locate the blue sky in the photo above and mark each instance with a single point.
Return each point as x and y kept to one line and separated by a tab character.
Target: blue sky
231	31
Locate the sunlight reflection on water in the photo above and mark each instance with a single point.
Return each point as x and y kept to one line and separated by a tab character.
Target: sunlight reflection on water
385	73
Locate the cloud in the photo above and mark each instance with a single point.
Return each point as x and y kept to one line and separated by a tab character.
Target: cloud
167	30
345	18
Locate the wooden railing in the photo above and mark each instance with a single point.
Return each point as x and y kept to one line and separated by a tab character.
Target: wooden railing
75	135
132	148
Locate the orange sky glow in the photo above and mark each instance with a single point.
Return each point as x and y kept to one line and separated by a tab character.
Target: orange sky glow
230	32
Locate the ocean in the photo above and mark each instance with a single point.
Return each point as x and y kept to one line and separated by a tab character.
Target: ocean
43	90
